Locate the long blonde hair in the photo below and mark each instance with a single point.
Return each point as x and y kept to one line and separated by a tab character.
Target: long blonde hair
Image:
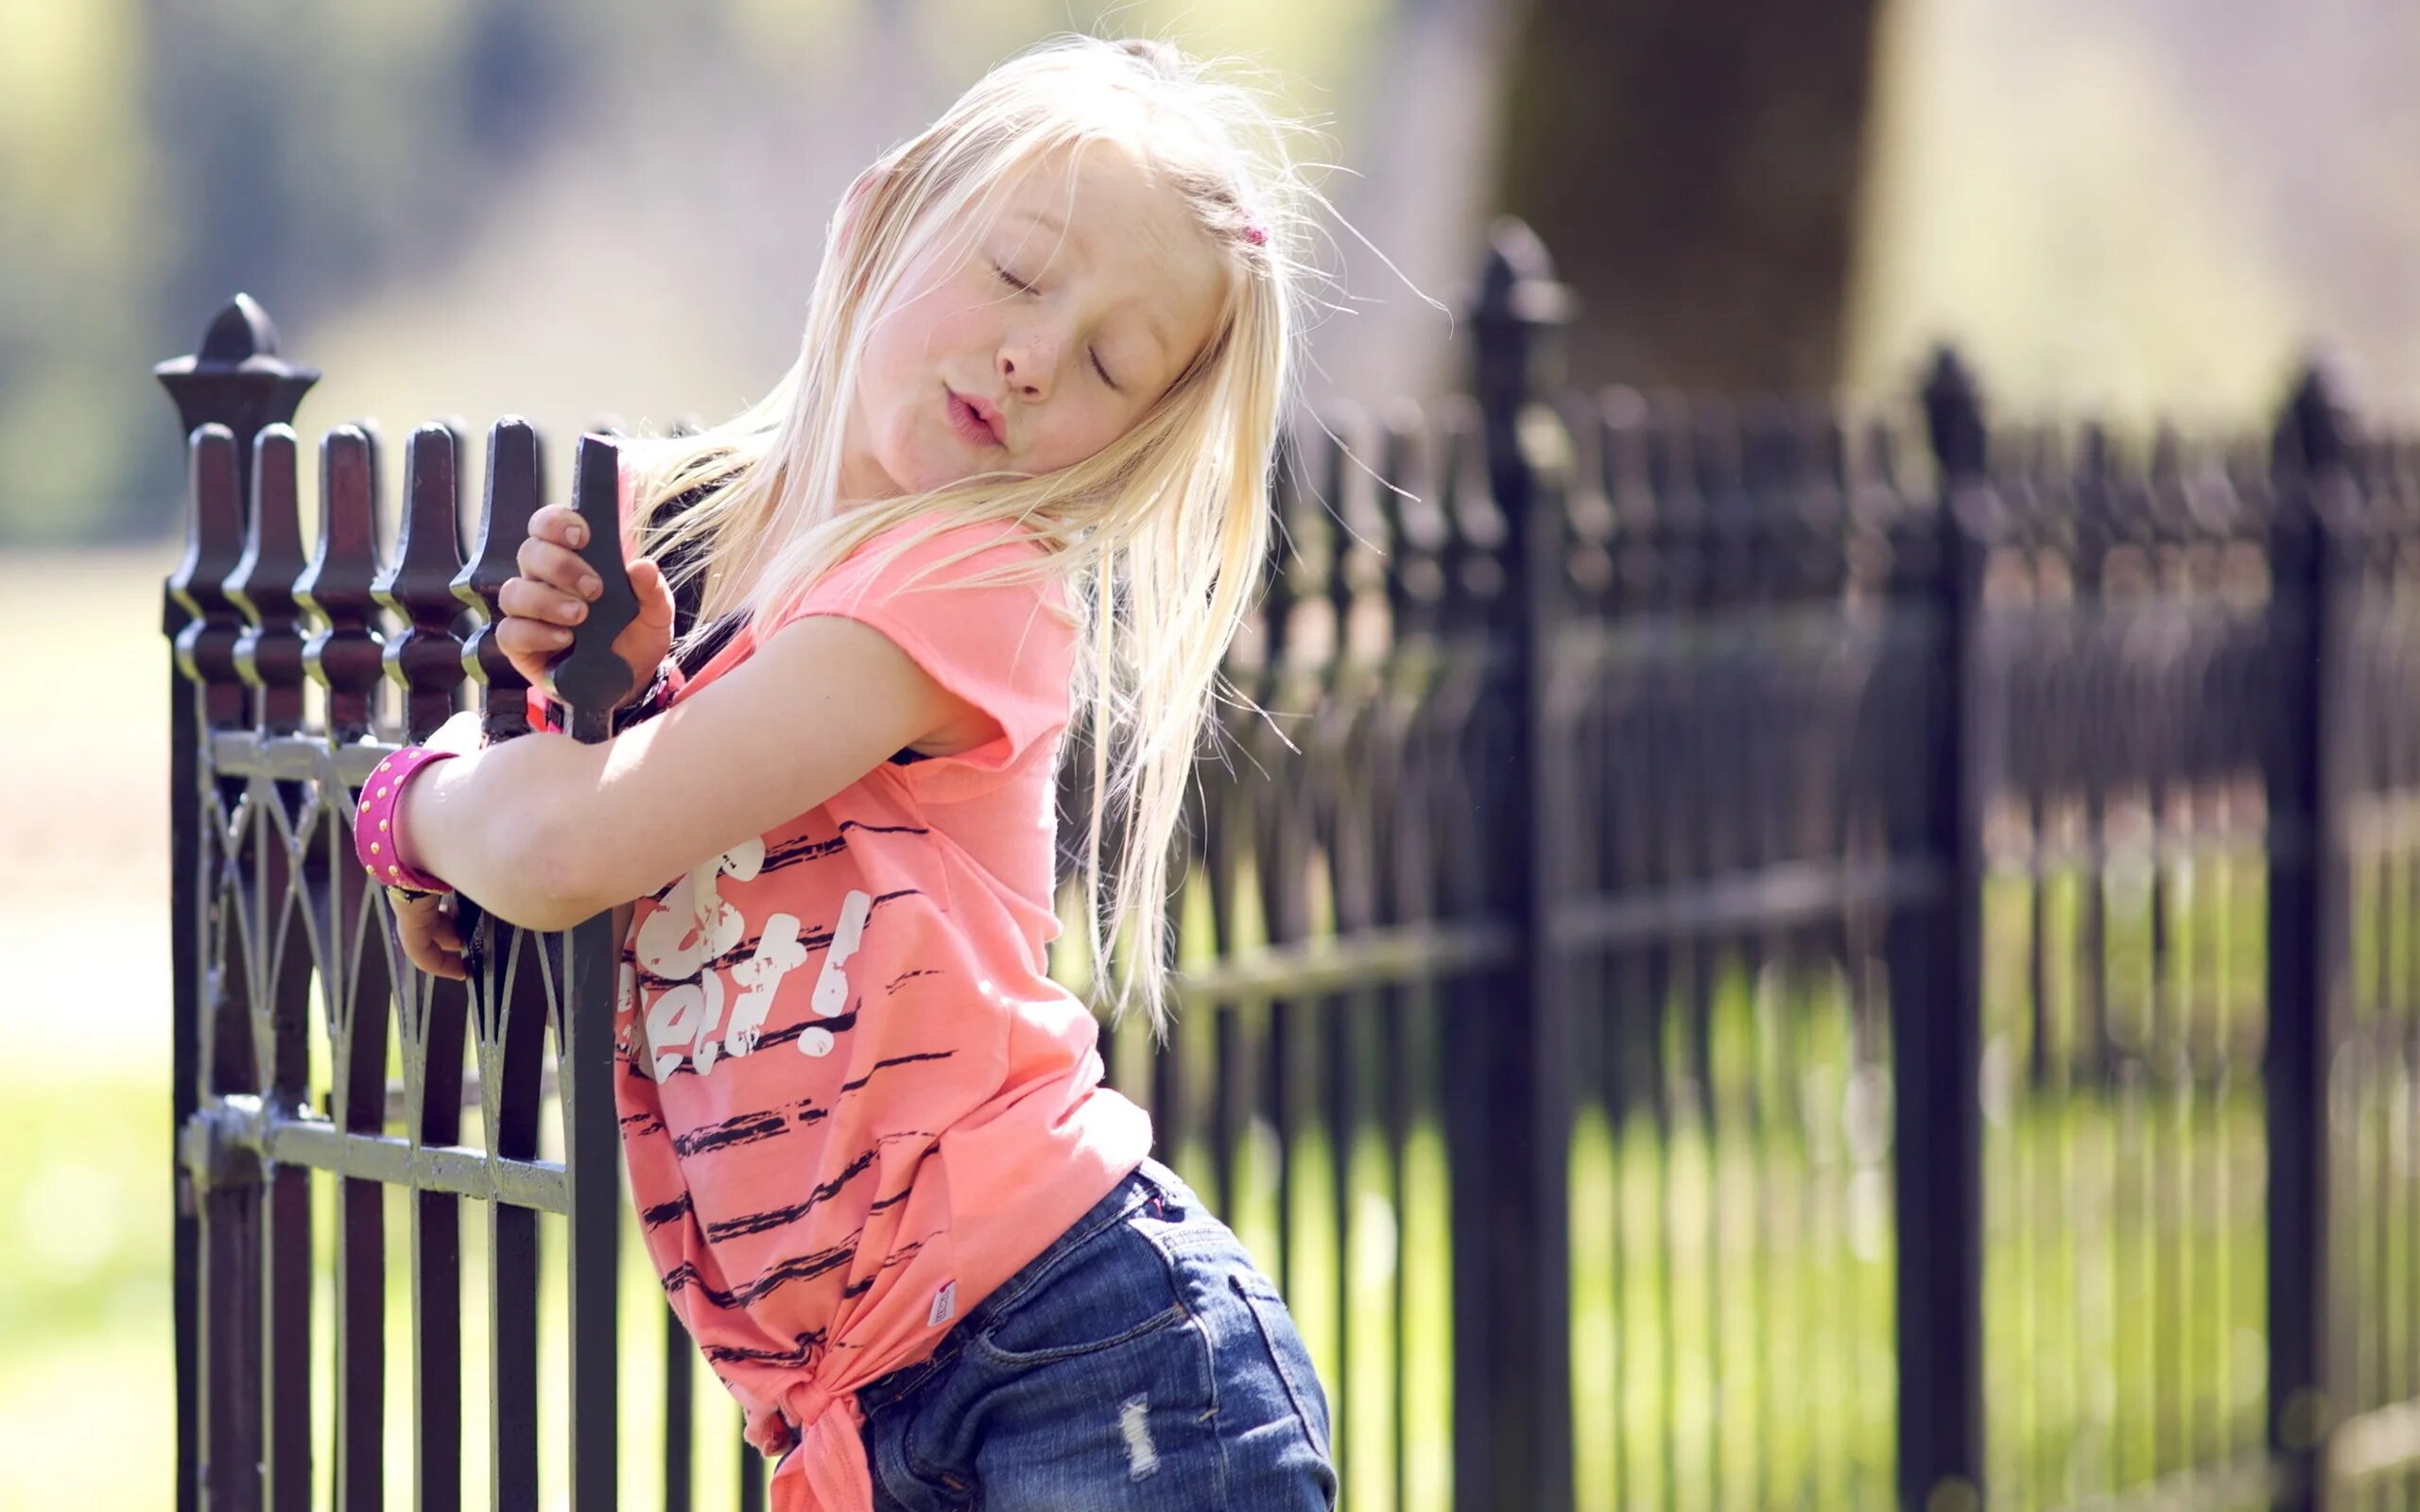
1161	535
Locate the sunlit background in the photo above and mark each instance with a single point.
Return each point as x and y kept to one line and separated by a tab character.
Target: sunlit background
572	209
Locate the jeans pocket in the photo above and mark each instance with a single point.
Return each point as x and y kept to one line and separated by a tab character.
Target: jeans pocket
1111	1289
1288	1354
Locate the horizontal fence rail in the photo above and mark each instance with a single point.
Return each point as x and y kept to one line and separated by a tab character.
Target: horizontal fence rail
1730	954
313	1049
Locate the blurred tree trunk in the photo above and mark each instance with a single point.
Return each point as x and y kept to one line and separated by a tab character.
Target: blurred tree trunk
1693	168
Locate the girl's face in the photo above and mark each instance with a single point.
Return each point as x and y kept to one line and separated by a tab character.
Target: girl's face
1084	298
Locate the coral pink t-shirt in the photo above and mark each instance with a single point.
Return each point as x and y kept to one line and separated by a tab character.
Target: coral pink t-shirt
852	1101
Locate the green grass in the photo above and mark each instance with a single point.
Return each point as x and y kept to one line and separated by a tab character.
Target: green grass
1732	1264
1730	1285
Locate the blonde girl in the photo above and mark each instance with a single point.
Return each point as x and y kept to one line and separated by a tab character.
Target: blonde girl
1017	475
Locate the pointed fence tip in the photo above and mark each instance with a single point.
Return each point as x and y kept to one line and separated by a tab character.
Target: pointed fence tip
1953	406
1517	280
2315	429
241	330
1515	253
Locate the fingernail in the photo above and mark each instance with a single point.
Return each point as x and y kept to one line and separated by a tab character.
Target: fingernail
578	534
562	637
591	587
579	611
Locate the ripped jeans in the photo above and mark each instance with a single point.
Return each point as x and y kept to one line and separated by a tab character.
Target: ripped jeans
1140	1362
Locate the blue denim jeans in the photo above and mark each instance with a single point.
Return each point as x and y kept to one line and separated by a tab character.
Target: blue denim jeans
1140	1362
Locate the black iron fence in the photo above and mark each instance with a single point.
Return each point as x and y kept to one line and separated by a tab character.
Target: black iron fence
1757	960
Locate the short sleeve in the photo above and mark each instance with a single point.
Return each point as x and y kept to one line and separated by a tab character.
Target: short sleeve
1003	648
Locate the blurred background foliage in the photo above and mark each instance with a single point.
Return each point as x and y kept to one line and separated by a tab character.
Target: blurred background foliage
472	207
569	208
461	207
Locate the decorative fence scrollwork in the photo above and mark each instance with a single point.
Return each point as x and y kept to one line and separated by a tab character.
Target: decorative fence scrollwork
1743	936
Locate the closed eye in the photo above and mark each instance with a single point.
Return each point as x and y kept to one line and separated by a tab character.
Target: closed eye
1023	288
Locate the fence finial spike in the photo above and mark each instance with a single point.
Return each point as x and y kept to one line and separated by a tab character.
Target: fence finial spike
2315	429
1517	279
1515	253
241	329
1953	414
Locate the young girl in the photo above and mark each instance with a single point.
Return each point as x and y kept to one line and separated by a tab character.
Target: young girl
1018	468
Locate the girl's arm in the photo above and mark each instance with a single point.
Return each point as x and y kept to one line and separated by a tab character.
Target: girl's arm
545	832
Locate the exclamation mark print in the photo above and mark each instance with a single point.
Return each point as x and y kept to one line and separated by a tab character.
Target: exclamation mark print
832	983
778	954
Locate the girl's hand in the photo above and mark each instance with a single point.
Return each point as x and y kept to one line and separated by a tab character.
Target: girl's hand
553	592
431	940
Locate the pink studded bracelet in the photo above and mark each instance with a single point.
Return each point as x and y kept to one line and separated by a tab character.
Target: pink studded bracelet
376	834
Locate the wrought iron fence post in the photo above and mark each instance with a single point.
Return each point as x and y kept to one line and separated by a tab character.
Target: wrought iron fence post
235	379
2310	943
1935	964
1510	1143
589	680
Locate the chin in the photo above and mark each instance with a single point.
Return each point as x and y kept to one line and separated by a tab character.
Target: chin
936	475
912	469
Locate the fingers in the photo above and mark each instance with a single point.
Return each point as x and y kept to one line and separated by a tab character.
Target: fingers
430	937
522	599
654	594
539	607
540	599
528	640
558	568
560	524
446	946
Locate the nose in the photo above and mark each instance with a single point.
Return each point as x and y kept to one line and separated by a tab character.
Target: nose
1028	361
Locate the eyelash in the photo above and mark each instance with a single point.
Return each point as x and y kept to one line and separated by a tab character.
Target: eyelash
1023	288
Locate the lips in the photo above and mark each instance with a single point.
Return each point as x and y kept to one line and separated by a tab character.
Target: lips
976	420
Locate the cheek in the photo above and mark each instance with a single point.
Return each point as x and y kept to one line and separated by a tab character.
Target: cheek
905	352
890	377
940	320
1074	432
956	333
894	348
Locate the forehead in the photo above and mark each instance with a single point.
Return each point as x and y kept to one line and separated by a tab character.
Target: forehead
1104	215
1091	177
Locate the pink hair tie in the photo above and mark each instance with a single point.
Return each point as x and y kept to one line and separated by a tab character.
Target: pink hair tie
1255	233
377	834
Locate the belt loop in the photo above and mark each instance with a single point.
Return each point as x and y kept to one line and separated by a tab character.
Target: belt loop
1160	1198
